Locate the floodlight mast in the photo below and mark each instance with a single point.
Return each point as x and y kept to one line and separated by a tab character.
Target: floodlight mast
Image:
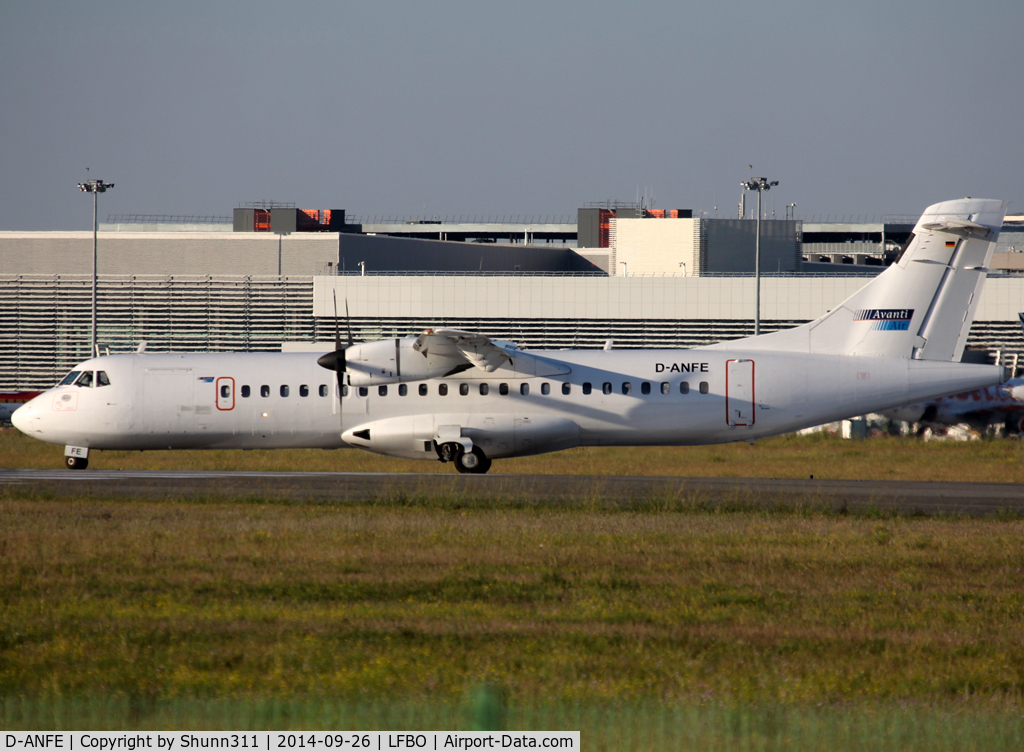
94	187
760	185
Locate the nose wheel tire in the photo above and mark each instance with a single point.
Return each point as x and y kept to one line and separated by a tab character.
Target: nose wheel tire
76	463
472	462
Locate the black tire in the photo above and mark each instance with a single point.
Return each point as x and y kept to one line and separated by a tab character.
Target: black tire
475	462
76	463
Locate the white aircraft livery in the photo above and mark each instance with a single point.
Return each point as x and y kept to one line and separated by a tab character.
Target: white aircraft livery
463	398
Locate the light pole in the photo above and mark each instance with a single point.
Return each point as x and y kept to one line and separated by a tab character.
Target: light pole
760	185
94	187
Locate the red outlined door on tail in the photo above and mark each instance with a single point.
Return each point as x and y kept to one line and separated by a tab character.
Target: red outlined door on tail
225	393
739	393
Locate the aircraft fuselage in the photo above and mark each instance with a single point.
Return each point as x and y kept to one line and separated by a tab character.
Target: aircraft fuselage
620	398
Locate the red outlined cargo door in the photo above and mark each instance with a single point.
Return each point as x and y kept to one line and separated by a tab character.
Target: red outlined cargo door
739	393
225	393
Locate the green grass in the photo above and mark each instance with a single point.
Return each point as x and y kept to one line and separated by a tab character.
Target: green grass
420	604
790	456
667	624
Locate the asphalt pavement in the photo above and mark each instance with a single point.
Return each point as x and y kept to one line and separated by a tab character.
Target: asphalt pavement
568	490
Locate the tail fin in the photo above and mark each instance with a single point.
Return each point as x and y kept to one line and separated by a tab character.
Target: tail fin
922	306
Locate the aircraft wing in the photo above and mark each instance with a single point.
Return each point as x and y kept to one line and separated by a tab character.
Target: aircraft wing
476	349
489	355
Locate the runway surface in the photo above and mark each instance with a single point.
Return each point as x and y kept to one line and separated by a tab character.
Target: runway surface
568	490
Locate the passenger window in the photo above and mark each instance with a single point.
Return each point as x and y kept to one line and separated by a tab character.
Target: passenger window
323	390
225	390
69	379
284	390
363	391
485	389
423	390
703	387
344	390
503	389
245	390
586	387
606	387
382	390
463	389
264	391
403	389
524	389
102	379
442	389
304	390
627	387
566	387
645	388
684	387
85	379
545	388
665	387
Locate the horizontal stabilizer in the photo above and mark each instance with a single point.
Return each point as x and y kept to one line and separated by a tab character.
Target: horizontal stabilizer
956	225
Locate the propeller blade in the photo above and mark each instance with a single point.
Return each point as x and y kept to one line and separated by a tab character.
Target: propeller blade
337	330
335	361
341	401
348	323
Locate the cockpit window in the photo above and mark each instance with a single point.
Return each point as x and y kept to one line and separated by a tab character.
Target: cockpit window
102	379
85	379
69	379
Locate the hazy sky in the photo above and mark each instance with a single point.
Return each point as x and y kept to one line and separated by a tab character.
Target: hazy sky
484	108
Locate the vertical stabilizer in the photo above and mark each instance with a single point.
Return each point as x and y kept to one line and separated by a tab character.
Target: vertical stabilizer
922	306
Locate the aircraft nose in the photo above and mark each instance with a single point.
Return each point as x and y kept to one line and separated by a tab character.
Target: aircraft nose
20	419
25	416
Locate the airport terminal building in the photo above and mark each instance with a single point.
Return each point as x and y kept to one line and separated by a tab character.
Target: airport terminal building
635	277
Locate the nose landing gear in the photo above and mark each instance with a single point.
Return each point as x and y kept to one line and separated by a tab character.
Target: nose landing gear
76	463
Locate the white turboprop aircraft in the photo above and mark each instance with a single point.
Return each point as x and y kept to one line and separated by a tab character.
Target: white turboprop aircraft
461	397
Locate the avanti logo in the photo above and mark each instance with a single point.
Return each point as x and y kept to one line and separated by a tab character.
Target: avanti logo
886	319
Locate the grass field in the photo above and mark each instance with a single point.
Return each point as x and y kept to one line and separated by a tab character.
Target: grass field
790	456
687	628
181	599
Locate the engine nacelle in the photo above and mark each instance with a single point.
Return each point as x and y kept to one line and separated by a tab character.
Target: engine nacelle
390	361
499	435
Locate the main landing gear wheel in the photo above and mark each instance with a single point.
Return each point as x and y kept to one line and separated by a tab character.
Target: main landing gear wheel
472	462
76	463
